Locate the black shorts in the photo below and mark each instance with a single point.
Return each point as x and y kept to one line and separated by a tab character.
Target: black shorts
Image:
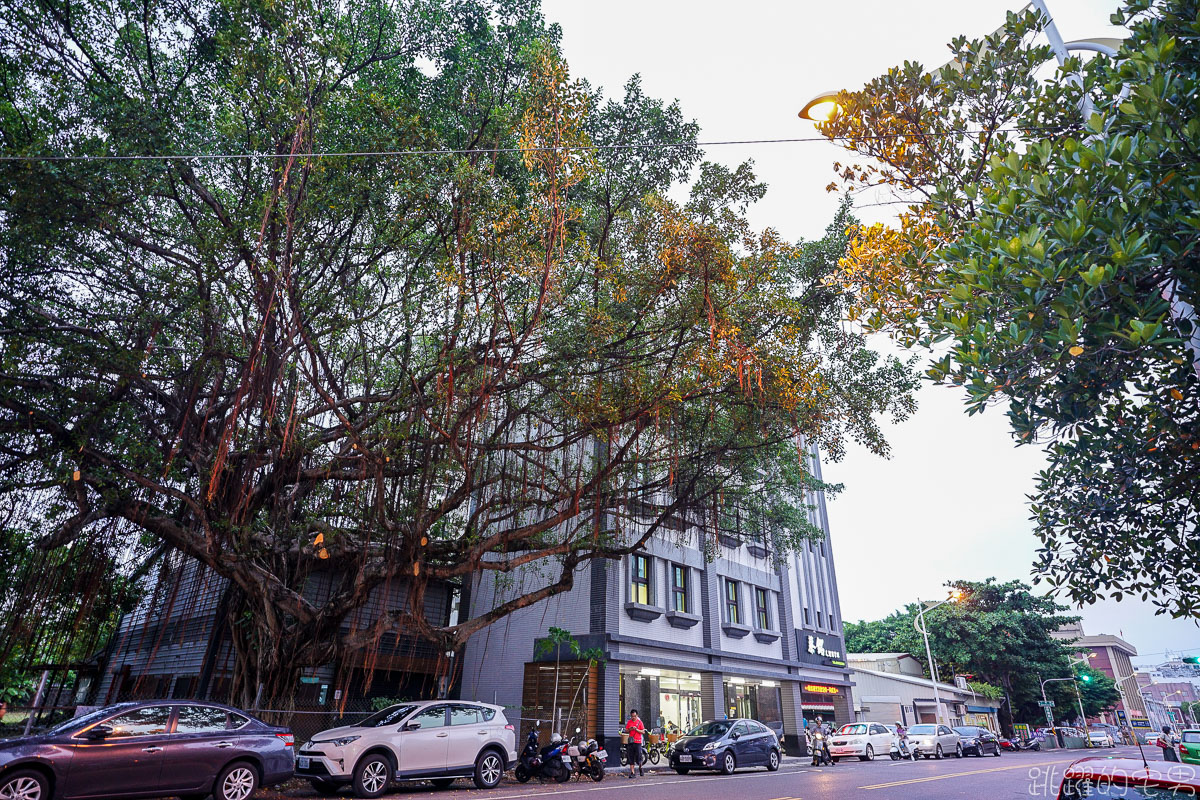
633	753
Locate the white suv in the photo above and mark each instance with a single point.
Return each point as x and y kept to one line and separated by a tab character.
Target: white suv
436	741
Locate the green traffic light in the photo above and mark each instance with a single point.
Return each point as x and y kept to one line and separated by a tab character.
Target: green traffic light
1085	678
1191	659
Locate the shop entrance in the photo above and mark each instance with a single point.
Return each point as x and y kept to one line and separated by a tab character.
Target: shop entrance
666	699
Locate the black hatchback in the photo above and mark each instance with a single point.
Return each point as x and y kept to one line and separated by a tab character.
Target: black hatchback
148	749
725	745
978	741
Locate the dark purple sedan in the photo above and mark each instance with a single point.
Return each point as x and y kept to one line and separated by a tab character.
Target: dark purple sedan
148	749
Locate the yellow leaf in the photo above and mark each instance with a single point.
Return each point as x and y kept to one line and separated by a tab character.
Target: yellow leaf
1178	395
1076	350
75	477
319	540
322	553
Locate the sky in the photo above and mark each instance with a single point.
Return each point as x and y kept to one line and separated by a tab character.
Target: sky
952	501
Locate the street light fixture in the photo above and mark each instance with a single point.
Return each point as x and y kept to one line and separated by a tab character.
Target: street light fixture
821	108
919	624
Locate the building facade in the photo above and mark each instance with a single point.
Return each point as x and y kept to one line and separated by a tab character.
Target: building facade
1113	656
690	629
886	690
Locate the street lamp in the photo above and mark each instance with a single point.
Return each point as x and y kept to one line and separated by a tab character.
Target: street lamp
919	624
821	108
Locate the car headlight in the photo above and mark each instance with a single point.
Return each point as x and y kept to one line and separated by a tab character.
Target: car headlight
342	742
710	746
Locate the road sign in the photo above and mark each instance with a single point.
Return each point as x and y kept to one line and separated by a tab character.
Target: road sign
1121	716
1046	703
1049	718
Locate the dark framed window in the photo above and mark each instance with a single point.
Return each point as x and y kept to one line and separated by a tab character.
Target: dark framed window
733	613
806	617
639	589
679	588
760	608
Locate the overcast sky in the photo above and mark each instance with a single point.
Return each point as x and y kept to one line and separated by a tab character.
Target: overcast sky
952	501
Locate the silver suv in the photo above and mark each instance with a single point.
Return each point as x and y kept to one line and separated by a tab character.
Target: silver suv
436	741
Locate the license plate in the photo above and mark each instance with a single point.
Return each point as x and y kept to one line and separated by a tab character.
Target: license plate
573	751
602	754
303	762
566	758
685	758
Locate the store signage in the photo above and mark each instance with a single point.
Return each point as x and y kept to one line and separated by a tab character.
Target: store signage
821	688
819	648
1139	723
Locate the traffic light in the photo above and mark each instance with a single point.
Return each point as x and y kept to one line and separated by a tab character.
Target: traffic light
1085	678
1191	659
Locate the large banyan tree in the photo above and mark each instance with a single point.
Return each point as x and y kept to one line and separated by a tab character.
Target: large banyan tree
376	289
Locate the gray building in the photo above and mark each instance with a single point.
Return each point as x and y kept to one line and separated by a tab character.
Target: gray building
691	629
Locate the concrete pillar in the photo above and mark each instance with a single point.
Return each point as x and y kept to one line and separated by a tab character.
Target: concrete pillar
794	743
712	696
609	716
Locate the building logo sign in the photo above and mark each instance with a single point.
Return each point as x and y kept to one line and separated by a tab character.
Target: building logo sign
816	646
821	688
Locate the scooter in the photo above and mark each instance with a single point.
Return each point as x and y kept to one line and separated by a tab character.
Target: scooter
819	744
548	762
900	749
587	757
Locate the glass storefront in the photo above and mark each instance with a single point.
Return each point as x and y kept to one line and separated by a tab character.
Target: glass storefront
817	700
664	698
754	699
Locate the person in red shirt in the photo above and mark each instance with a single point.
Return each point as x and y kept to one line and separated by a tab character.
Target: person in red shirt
633	749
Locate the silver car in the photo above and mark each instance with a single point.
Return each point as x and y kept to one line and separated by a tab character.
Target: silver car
934	741
437	741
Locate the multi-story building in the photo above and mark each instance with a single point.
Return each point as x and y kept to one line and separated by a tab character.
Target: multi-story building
1112	655
1172	695
690	629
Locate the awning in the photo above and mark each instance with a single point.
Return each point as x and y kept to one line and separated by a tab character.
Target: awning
981	710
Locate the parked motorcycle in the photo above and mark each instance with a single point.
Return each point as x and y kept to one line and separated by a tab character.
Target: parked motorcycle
587	757
550	761
818	743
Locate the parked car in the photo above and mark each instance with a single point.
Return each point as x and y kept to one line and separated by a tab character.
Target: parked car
148	749
725	745
1102	736
978	741
437	741
934	741
1189	746
1095	778
863	740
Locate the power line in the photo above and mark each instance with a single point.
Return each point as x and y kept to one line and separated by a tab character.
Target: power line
497	150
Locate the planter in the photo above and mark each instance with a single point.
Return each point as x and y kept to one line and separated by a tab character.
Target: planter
735	631
642	613
766	637
680	619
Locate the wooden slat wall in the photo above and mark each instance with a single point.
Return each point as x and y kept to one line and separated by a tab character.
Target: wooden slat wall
538	701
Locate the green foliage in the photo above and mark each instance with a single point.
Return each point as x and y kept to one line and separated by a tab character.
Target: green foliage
987	690
1045	276
1099	692
998	632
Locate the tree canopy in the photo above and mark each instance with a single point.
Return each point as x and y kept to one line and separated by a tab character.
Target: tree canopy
1050	262
378	293
998	633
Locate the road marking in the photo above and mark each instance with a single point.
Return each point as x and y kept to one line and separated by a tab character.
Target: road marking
948	775
608	787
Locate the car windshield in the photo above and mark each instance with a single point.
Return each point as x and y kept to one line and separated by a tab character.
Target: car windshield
1191	737
82	721
852	730
715	728
919	729
388	716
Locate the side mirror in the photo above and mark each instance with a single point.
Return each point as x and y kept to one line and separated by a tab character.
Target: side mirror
99	731
735	736
411	726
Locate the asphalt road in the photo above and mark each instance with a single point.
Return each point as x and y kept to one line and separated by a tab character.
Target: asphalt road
1027	775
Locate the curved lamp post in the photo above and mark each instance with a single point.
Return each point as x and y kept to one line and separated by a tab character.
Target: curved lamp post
821	108
919	624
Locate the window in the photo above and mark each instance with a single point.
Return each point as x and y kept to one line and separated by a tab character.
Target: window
431	717
732	612
140	722
806	618
679	589
877	730
206	719
760	608
740	730
639	591
464	715
488	714
388	716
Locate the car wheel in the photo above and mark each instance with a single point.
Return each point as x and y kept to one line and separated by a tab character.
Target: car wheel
489	769
938	753
997	752
728	763
682	770
773	761
25	784
958	751
869	755
442	783
318	785
372	775
236	782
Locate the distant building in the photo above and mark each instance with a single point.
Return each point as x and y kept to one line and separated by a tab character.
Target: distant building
1112	655
887	690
